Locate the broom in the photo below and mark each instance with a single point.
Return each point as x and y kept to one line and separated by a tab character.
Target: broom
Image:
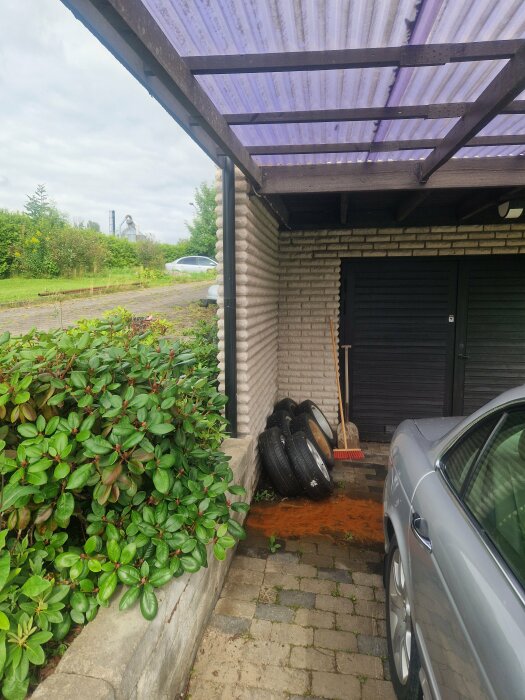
346	453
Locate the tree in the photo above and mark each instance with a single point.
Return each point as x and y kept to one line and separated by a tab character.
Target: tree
93	225
203	228
38	205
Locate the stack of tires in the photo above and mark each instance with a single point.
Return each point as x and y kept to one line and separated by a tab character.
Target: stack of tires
297	449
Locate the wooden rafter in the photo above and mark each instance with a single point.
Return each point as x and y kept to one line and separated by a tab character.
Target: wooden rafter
379	146
357	114
507	84
391	175
396	56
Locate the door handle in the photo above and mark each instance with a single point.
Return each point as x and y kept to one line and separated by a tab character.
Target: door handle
419	527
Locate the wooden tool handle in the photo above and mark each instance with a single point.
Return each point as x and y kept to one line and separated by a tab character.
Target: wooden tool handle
341	412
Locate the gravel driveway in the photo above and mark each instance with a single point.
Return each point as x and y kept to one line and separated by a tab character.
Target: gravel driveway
160	300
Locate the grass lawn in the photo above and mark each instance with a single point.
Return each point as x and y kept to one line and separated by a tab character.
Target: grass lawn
17	289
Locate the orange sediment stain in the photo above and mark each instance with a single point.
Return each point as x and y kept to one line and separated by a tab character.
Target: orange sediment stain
362	519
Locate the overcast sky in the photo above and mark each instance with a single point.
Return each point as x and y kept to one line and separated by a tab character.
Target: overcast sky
73	118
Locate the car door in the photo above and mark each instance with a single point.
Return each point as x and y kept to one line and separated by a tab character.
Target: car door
188	264
468	609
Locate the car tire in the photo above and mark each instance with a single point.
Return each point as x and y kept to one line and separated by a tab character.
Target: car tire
312	409
286	405
309	466
282	420
304	423
403	656
276	463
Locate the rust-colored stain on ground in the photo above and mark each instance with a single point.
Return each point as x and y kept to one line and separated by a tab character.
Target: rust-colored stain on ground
351	518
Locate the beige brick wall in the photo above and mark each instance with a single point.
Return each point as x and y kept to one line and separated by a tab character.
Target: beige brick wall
309	281
257	307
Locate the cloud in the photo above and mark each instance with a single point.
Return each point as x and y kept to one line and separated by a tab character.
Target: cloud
73	118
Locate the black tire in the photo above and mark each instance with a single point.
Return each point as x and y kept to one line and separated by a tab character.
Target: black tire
282	420
312	409
304	423
276	463
309	467
286	405
404	669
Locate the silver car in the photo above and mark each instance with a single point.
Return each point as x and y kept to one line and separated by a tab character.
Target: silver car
192	263
454	515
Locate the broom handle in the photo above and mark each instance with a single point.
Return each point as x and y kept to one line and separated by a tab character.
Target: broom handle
332	333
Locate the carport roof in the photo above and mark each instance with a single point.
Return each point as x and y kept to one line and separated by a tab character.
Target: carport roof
335	95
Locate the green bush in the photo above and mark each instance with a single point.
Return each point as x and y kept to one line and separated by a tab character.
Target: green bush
75	250
120	252
150	255
111	472
13	226
174	251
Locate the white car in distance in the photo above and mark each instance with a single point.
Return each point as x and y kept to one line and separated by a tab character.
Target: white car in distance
192	263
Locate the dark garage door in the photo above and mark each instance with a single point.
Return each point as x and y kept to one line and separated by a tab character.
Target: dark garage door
430	337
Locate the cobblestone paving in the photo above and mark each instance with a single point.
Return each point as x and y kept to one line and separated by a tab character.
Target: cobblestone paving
307	621
159	300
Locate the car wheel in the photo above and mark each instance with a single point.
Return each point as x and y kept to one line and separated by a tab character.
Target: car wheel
282	420
306	424
309	466
312	409
276	463
403	657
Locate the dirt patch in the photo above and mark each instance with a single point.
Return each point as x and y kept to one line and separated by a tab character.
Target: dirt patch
353	519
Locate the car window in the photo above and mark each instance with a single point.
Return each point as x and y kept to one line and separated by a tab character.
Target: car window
203	261
189	261
460	458
495	493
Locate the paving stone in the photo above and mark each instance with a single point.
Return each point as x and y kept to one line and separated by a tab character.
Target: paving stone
276	561
351	590
317	560
218	671
230	625
378	690
335	686
281	580
245	576
298	599
235	608
267	594
288	680
334	550
241	562
368	579
335	639
379	594
340	575
380	628
315	618
370	608
315	585
312	659
292	634
243	693
275	613
301	570
355	624
300	546
219	647
251	551
205	690
335	604
266	653
240	591
261	629
359	665
376	646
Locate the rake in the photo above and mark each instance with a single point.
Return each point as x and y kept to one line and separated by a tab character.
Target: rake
346	453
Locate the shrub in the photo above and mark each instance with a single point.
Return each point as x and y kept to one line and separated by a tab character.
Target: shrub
150	255
75	250
120	252
13	226
174	251
111	472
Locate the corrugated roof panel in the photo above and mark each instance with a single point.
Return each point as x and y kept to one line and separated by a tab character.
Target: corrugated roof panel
209	27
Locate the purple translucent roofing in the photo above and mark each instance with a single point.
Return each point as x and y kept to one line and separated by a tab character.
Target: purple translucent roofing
211	27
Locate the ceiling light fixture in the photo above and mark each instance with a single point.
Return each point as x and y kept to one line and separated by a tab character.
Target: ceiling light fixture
511	209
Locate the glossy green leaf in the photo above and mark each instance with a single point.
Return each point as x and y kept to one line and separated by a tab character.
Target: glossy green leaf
148	602
108	587
161	480
128	574
79	477
34	586
129	597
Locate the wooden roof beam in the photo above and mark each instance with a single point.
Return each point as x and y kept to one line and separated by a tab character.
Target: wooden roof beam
428	111
458	173
507	84
395	56
379	146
